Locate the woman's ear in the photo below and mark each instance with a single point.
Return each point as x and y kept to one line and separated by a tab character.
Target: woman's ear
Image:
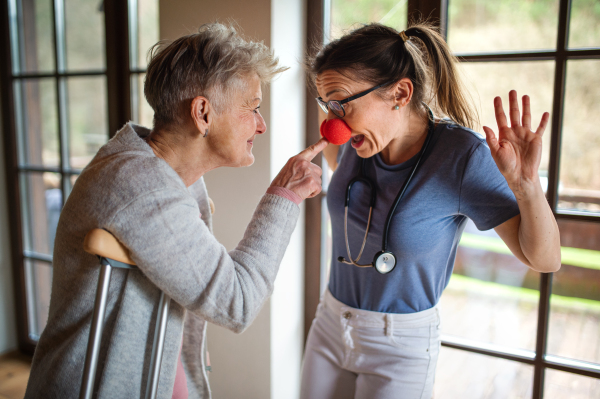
403	91
202	113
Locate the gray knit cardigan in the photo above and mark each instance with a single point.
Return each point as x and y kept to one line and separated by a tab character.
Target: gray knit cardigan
140	199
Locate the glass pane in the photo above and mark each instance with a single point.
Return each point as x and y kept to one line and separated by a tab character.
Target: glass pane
575	303
466	375
69	185
88	129
84	34
38	277
584	29
579	185
560	385
32	36
37	121
326	243
41	199
73	179
349	14
326	232
147	29
142	112
487	80
502	25
492	297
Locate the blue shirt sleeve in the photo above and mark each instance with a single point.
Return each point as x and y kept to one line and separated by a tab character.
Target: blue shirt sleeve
485	196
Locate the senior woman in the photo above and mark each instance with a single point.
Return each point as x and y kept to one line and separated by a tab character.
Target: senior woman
146	188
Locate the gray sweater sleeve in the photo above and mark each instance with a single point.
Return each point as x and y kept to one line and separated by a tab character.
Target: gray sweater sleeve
174	248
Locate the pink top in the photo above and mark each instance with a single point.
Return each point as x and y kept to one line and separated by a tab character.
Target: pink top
180	389
285	193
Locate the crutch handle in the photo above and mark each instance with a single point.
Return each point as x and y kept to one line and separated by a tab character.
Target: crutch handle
102	243
212	206
106	246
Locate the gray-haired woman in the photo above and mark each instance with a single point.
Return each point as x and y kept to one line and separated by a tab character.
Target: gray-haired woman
146	188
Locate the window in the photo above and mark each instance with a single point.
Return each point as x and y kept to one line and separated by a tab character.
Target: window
510	331
62	99
143	31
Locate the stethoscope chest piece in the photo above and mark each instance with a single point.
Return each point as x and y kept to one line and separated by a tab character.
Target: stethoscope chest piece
384	262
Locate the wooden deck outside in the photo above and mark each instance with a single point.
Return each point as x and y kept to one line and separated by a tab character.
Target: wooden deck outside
492	318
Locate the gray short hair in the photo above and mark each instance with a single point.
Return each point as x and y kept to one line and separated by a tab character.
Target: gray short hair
213	63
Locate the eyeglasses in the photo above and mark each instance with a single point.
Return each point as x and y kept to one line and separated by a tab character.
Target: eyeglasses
337	107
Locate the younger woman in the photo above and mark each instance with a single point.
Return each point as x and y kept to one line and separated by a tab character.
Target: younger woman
376	333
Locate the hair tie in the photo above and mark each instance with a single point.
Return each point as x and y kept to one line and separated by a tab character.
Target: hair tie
403	36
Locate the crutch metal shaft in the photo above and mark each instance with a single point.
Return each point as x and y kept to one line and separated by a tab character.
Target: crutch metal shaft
93	348
113	254
158	345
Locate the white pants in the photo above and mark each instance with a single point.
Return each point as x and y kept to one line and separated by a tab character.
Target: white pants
360	354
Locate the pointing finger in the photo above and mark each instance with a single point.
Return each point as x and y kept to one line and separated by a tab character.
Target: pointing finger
313	150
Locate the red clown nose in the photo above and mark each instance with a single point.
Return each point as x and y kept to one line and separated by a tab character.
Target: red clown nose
335	131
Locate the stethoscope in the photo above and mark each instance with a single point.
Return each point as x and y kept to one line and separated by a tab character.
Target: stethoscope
384	261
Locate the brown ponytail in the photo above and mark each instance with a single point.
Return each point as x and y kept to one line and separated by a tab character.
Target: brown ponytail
377	54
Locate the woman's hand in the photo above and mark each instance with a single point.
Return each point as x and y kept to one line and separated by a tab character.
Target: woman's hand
517	151
300	175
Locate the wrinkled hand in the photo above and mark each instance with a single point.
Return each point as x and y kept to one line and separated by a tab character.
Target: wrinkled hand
517	151
300	175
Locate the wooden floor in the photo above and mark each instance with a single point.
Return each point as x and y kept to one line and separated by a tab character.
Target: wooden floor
14	373
492	318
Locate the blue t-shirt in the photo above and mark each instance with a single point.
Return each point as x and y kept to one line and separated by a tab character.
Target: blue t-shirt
457	179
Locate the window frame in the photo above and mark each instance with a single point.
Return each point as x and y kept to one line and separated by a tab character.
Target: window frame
117	73
317	12
437	11
539	358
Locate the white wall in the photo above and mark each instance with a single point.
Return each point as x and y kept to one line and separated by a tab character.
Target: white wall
288	138
8	328
264	361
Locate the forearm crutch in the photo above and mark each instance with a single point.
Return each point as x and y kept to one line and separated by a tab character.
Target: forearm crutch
113	254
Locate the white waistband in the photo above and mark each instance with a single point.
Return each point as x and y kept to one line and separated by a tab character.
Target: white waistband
369	318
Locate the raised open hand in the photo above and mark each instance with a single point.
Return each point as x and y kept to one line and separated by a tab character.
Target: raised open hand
517	150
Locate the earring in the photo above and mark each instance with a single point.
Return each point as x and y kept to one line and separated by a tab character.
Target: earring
396	108
205	133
